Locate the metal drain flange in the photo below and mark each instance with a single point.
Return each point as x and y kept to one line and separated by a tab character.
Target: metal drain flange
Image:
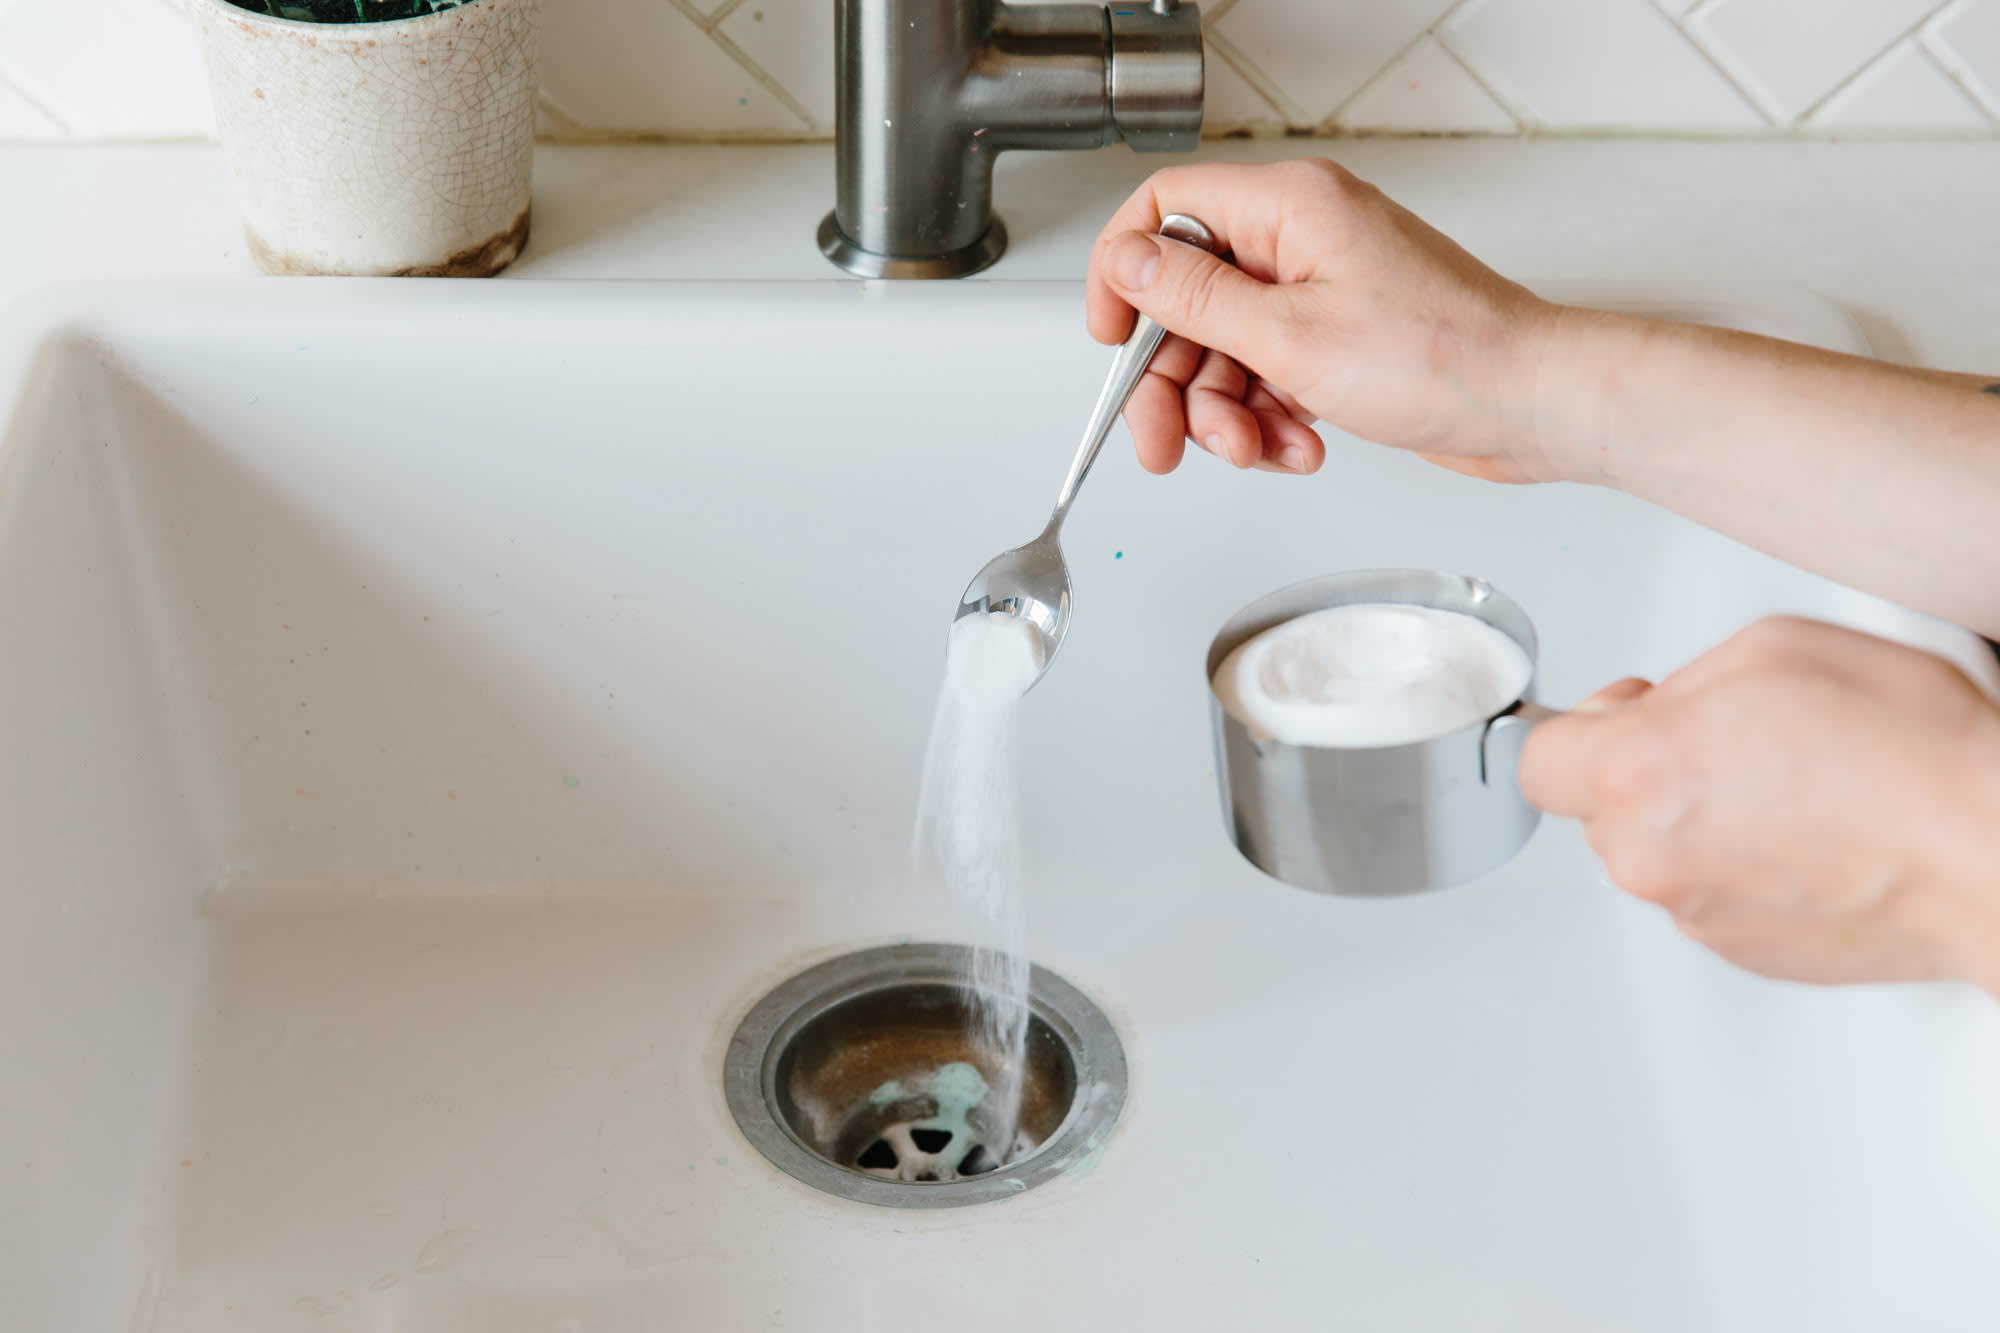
861	1078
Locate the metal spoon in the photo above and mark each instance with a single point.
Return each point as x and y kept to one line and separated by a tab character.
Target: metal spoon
1032	581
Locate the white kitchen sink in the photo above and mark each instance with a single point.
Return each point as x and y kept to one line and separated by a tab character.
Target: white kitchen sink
432	714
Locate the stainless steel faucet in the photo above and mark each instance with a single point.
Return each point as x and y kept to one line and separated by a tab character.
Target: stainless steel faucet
929	92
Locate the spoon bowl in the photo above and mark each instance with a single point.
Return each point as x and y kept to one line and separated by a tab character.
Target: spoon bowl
1031	582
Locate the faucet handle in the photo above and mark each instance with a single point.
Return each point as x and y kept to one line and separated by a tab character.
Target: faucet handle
1156	75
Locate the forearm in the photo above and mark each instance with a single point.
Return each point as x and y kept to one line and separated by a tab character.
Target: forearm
1879	476
1968	855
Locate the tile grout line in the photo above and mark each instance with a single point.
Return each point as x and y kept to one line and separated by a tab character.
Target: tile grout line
1332	118
1832	101
12	82
1941	53
1521	124
1909	34
1526	121
1260	82
1724	62
741	58
771	85
566	123
1515	109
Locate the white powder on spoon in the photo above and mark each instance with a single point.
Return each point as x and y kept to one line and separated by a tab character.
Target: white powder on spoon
1371	675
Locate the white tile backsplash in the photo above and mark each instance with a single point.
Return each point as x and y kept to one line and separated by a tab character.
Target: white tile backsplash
1595	65
1231	104
792	42
1320	54
729	69
647	65
23	121
1906	89
1427	89
1965	40
1799	51
107	69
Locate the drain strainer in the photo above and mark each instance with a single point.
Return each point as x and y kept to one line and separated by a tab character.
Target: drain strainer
861	1077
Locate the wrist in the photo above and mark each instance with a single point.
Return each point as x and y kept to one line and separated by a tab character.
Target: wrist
1586	360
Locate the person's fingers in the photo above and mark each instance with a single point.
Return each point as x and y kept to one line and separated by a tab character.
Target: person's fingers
1263	397
1243	206
1290	445
1567	761
1156	419
1217	418
1207	301
1177	360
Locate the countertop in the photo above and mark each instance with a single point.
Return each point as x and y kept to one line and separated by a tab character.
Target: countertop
1897	233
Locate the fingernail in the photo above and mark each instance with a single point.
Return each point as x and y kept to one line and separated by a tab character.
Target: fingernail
1132	261
1592	706
1292	459
1218	446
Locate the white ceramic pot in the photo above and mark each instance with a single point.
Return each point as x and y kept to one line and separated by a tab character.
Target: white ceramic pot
396	148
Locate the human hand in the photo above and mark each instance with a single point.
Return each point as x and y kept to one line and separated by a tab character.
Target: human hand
1810	802
1341	305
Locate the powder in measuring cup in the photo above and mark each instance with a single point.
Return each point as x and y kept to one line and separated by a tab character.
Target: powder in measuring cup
1371	675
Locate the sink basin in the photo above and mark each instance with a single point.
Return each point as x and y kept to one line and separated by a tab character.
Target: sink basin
431	715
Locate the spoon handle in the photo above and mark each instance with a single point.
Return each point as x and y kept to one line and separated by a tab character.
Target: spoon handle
1127	367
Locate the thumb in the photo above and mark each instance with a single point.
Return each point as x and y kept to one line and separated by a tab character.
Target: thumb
1564	760
1203	299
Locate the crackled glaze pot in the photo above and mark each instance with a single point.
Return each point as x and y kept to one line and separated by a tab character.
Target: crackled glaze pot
395	147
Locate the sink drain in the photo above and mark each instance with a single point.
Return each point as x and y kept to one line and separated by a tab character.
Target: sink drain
861	1077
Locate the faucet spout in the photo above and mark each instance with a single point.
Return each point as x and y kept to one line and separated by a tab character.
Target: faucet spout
928	92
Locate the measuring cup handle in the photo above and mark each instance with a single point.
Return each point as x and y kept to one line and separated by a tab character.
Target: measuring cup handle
1128	367
1500	748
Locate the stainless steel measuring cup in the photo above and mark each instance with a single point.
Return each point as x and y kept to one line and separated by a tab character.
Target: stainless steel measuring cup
1374	823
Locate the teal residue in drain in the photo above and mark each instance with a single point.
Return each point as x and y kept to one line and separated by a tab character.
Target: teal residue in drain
956	1088
958	1085
1117	555
722	1161
571	780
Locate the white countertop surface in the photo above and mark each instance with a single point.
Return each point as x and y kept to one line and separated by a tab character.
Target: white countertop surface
1898	233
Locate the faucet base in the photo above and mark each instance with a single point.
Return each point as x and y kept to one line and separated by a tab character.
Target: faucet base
834	244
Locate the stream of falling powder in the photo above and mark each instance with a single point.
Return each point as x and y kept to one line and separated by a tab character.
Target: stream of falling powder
969	831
